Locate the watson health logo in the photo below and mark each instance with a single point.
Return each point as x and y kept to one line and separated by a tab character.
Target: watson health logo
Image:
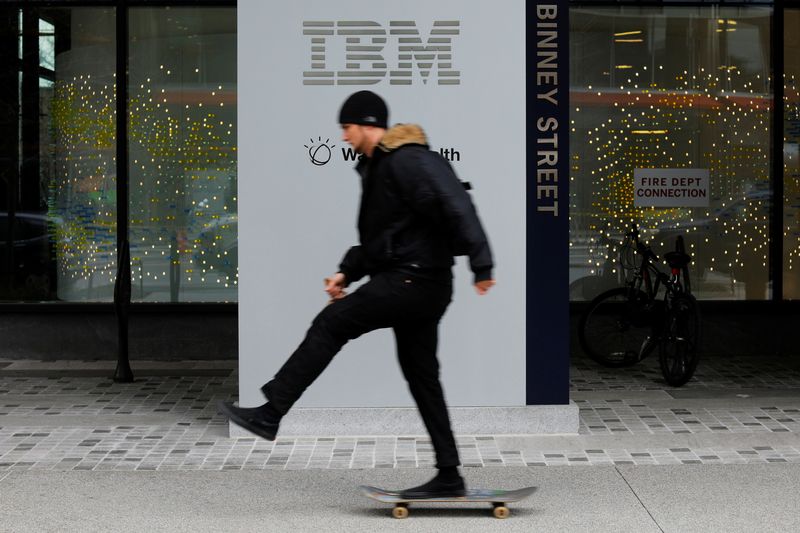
368	51
321	152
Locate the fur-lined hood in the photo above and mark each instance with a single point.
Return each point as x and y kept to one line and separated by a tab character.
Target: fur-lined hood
402	134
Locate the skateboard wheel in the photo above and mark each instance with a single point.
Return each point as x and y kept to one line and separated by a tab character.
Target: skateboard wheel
501	511
400	512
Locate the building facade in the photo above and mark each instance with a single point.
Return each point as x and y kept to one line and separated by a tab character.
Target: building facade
674	85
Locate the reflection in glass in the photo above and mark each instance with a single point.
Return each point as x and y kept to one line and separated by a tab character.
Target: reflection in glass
182	141
791	156
671	87
57	194
47	45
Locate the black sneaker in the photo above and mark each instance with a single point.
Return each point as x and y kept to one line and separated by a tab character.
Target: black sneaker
253	419
436	488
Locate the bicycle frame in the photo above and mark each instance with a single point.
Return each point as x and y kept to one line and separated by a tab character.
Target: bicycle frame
649	275
649	278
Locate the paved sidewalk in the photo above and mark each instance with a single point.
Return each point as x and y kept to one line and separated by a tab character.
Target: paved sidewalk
80	453
640	499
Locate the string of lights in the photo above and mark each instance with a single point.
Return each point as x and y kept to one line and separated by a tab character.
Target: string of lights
183	168
716	120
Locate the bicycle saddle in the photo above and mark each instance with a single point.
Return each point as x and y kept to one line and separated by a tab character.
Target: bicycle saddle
677	259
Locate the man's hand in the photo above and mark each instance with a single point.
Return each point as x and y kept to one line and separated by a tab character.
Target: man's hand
482	287
334	286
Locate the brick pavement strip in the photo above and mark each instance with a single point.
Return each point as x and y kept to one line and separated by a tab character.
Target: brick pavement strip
167	420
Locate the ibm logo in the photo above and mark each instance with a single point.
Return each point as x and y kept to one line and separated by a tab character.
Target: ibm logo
364	52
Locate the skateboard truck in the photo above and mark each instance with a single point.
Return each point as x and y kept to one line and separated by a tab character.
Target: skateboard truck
500	510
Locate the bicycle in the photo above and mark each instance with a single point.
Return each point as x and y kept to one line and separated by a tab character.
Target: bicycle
622	326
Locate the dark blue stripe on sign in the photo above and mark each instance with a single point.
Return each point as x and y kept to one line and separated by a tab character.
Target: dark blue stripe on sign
547	300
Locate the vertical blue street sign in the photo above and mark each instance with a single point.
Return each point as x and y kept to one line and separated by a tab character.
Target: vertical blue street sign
547	301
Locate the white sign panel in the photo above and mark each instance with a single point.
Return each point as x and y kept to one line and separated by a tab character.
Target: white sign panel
670	187
457	69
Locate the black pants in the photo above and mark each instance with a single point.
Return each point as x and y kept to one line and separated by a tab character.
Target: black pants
413	307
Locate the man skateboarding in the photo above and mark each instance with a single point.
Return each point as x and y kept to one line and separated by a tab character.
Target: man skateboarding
415	216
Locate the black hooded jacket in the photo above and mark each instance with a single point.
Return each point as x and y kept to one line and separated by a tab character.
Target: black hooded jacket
415	214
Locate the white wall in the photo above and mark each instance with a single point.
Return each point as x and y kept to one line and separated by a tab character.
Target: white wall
297	219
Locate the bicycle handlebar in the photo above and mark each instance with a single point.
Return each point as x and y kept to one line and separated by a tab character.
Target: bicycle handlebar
646	251
651	260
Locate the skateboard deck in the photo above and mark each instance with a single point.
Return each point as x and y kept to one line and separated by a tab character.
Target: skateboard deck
498	499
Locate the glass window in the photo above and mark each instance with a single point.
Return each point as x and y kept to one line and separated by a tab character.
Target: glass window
57	140
791	156
671	88
47	45
182	141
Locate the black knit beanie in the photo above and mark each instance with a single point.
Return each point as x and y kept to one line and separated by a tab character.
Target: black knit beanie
365	108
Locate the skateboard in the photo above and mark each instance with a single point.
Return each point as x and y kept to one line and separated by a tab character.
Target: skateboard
498	499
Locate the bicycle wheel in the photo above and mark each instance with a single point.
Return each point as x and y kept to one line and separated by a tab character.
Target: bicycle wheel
678	355
616	327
